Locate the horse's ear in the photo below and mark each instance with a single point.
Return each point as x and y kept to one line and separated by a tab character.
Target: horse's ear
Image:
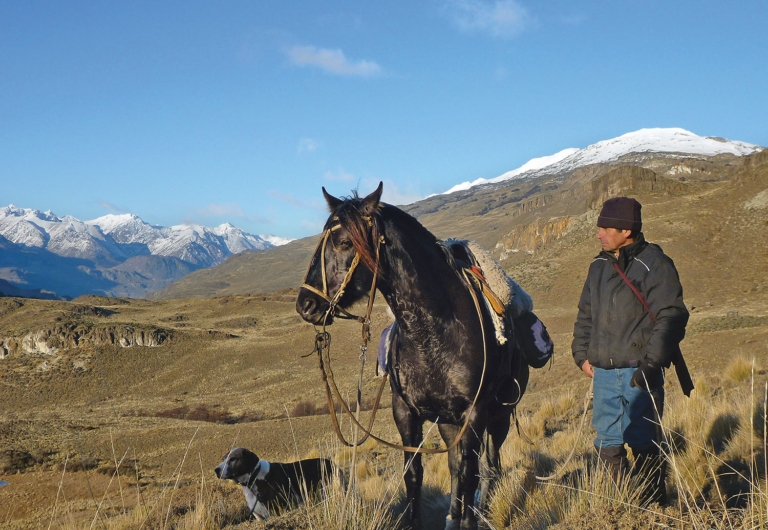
332	201
371	202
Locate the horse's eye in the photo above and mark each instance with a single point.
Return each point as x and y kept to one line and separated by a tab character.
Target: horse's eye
344	244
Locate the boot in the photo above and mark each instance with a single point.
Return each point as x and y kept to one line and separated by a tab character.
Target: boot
651	465
615	459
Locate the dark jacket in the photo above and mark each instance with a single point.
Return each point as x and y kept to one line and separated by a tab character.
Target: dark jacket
613	329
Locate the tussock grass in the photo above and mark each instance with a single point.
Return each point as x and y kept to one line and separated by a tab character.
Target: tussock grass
716	457
739	369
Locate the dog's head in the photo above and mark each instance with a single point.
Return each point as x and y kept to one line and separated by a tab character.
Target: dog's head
237	465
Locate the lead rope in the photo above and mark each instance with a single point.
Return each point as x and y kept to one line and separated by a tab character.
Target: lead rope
323	339
327	376
322	343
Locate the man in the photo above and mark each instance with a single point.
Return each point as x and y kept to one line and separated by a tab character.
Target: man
625	346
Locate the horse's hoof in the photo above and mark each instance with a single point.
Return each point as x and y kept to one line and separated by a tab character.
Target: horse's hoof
451	524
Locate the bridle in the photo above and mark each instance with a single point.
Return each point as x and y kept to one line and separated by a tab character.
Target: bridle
323	337
333	308
323	343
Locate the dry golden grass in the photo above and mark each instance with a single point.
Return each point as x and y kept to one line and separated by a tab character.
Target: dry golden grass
739	369
716	479
124	443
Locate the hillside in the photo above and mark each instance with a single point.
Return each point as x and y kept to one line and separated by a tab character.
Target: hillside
249	272
534	227
164	387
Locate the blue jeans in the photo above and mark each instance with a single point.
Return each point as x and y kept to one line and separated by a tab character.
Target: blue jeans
623	414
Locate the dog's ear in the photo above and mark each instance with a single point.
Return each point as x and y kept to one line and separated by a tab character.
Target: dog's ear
250	458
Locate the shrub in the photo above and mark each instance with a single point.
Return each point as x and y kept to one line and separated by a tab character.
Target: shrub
201	412
304	408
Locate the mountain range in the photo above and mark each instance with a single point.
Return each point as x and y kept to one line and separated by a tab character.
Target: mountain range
674	143
523	209
116	255
546	207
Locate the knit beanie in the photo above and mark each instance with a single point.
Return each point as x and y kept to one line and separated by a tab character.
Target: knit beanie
622	213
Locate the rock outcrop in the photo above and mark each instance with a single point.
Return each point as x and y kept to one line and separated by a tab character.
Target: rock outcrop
528	238
61	336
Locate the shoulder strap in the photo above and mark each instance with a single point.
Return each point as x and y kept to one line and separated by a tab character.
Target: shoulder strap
681	369
634	290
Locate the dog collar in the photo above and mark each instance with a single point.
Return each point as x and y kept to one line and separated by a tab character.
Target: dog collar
263	470
260	473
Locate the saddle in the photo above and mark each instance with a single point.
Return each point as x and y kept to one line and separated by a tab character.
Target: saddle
510	306
511	309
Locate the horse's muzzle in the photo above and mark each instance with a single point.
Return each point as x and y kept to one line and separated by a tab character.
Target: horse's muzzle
312	308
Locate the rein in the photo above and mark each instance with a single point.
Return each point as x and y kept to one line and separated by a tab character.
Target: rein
323	348
323	338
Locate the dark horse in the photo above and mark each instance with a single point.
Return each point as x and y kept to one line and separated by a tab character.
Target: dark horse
441	363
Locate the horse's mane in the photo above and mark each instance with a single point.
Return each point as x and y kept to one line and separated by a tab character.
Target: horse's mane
366	227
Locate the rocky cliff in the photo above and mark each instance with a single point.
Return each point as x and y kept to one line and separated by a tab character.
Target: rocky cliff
59	337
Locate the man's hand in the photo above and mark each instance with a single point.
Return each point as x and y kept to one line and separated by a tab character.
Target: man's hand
648	378
587	369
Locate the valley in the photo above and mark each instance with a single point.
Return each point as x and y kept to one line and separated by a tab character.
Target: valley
160	389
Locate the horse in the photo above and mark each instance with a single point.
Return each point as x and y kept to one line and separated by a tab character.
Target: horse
446	364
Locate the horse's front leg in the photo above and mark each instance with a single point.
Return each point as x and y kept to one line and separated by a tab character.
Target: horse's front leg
469	476
449	433
410	427
463	461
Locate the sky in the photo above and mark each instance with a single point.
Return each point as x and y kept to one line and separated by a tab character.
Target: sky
240	111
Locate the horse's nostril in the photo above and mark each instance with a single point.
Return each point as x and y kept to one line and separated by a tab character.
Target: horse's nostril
308	306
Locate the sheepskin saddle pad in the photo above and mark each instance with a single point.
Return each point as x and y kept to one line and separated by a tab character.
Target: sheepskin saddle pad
513	297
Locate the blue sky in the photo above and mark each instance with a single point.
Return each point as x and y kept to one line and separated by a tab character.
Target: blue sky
239	112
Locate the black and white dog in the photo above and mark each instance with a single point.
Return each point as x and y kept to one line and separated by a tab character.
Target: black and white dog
271	485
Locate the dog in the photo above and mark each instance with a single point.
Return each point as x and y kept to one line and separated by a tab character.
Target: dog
272	485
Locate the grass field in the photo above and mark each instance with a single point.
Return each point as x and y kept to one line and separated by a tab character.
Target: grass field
104	435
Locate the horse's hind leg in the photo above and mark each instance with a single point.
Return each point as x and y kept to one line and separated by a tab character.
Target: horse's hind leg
490	467
411	434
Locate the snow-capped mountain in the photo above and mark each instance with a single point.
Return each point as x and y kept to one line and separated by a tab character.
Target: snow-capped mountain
114	255
112	239
275	240
192	243
650	142
65	236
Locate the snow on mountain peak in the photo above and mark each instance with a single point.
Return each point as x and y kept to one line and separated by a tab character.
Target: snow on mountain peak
532	165
110	222
652	140
115	237
277	241
659	140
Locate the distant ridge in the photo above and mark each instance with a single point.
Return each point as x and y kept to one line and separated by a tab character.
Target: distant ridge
116	255
546	207
658	141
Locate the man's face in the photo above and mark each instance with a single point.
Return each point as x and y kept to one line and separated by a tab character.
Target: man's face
612	239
